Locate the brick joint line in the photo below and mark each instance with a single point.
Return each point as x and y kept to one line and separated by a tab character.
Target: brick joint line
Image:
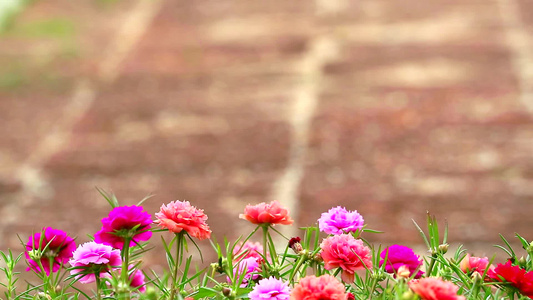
322	50
30	173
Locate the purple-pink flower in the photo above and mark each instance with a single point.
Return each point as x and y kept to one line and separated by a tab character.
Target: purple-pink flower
397	256
338	220
59	247
123	222
249	249
270	289
92	258
249	267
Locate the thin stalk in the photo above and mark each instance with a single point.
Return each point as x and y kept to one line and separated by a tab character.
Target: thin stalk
125	295
301	260
179	237
98	292
431	264
265	240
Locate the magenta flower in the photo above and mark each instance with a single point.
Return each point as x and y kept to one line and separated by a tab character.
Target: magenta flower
59	247
270	289
92	258
137	281
249	266
338	220
123	222
397	256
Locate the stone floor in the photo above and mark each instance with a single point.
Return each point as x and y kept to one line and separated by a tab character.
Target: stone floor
392	108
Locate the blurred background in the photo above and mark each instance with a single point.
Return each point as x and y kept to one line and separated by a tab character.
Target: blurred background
390	108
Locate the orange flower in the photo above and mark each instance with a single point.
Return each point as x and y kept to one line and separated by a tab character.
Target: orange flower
180	215
325	287
263	213
432	288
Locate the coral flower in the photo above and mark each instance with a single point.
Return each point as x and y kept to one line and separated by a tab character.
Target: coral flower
515	276
181	215
92	258
432	288
270	289
471	264
398	256
262	213
325	287
338	220
125	222
249	249
346	252
57	253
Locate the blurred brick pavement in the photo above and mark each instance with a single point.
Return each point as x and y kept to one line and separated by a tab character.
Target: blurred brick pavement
391	108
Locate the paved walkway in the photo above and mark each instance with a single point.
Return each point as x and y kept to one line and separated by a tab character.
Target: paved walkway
391	108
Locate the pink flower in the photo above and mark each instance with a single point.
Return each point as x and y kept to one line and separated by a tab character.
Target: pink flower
432	288
248	266
92	258
263	213
325	287
249	249
398	256
338	220
346	252
474	264
270	289
180	215
125	221
59	247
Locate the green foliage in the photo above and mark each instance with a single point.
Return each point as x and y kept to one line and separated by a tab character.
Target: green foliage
225	278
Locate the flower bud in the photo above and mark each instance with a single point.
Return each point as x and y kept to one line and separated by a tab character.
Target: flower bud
529	248
226	291
476	278
522	262
403	272
294	244
350	296
443	248
409	295
43	296
35	254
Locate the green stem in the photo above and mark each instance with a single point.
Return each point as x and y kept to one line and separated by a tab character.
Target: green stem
297	267
374	284
179	237
265	240
98	292
431	264
125	279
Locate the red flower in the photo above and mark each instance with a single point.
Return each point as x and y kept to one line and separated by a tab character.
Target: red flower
180	215
263	213
432	288
325	287
516	276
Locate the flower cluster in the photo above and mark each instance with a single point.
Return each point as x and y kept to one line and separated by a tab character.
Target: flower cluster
332	260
